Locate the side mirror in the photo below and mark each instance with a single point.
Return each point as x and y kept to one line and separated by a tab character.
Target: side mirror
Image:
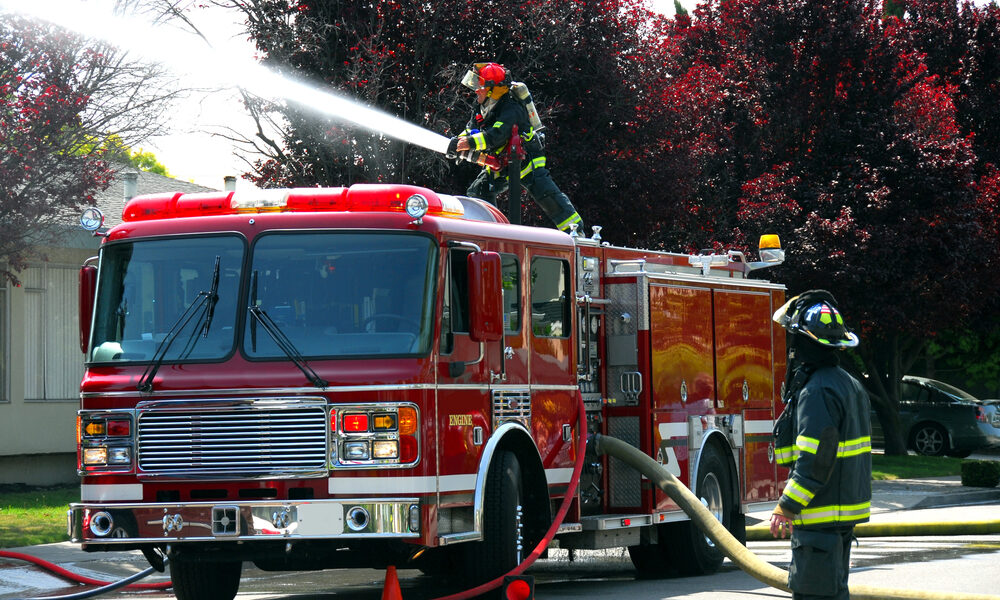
88	286
485	297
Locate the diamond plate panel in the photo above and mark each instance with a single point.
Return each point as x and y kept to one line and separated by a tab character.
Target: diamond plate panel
624	482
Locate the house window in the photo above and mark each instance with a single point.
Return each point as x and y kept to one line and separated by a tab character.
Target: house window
53	365
3	341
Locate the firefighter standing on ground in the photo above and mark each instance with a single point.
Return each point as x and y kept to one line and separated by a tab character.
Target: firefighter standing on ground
489	131
826	437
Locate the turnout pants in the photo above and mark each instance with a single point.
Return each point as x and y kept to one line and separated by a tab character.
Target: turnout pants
540	187
821	559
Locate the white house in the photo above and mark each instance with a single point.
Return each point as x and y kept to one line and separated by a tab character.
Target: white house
40	359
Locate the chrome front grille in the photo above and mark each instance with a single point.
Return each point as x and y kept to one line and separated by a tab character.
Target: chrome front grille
260	438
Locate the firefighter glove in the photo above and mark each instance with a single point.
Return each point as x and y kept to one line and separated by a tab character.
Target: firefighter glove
452	151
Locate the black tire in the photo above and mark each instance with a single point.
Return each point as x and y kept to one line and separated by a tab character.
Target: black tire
692	553
656	561
497	553
930	439
195	579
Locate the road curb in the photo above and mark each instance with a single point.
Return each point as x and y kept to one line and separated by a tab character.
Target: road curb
979	496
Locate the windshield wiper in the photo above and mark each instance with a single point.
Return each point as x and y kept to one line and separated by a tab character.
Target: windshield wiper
258	315
204	301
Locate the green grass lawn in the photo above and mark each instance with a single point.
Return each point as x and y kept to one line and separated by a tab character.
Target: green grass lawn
913	466
35	516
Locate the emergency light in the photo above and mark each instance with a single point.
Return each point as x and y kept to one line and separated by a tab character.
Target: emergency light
408	199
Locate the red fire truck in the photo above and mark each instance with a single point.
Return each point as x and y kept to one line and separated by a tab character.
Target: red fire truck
383	375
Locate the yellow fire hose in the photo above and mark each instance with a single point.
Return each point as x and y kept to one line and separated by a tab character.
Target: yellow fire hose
730	546
986	527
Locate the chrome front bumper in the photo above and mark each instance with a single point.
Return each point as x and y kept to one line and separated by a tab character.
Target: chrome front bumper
92	523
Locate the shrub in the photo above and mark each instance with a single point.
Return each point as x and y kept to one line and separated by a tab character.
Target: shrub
980	473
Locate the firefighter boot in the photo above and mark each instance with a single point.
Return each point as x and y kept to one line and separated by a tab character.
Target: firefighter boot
558	208
551	200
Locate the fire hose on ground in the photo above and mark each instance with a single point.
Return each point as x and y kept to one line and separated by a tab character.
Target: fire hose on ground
730	546
682	496
106	586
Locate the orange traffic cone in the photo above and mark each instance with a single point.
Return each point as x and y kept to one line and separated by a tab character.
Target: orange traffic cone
391	589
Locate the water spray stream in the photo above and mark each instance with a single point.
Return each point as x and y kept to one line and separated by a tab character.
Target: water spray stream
173	49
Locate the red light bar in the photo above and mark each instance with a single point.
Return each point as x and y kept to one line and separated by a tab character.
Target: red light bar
153	206
212	203
357	198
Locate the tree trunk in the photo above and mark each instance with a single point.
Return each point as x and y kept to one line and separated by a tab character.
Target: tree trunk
886	361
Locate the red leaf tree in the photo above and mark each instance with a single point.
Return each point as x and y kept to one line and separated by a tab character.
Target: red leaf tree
67	107
851	135
408	58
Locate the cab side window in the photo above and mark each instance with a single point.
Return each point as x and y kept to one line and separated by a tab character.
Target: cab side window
511	280
550	302
455	312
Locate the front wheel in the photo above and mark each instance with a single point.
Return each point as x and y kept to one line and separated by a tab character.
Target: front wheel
195	579
500	550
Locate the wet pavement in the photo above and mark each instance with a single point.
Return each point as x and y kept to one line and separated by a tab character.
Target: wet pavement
892	501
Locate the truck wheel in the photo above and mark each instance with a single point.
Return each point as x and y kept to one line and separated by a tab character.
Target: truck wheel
655	561
195	579
497	553
930	440
693	553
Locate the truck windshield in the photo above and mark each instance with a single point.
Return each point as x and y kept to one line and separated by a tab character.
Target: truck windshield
145	289
343	294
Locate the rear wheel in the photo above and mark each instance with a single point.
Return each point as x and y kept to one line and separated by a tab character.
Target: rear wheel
930	439
498	552
195	579
654	560
693	552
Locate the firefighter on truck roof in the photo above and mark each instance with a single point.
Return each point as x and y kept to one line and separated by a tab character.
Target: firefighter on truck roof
489	131
824	434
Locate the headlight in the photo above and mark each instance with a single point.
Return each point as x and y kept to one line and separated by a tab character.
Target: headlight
95	456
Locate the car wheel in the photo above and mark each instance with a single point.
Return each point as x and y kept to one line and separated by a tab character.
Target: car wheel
930	439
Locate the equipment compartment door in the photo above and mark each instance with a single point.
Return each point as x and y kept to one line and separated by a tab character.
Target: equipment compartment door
683	370
744	362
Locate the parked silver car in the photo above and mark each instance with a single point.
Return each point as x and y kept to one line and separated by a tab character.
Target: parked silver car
939	419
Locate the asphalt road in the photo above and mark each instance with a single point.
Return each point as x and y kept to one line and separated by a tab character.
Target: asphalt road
963	564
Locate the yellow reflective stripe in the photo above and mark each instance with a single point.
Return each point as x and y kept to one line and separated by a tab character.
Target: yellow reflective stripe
498	124
807	444
835	513
785	454
574	218
480	140
797	492
535	163
862	445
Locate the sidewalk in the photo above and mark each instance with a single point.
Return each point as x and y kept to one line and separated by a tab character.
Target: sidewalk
904	494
